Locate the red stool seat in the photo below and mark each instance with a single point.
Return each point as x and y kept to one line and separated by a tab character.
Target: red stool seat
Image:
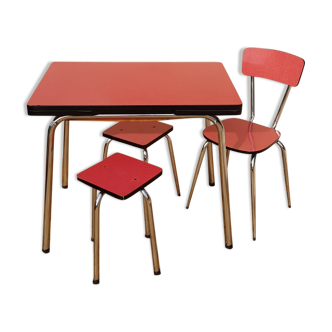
120	176
139	134
244	136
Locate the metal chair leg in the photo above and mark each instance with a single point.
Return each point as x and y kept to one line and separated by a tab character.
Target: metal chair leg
175	173
198	167
284	159
96	245
153	240
253	194
106	148
94	197
227	155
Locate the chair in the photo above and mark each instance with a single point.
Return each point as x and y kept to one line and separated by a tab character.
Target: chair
246	136
121	176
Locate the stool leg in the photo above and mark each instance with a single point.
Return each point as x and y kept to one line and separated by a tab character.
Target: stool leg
175	173
284	159
94	191
153	240
106	148
146	213
198	167
96	239
227	156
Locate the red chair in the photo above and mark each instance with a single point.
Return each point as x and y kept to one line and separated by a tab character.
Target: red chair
121	176
246	136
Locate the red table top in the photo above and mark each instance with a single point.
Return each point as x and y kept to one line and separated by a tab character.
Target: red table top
85	88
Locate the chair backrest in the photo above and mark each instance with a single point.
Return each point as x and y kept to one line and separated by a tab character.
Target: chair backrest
274	65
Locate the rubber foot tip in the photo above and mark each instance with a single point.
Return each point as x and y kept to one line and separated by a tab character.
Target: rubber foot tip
187	207
92	239
179	195
254	239
64	187
46	251
157	273
212	184
289	206
96	282
147	236
229	247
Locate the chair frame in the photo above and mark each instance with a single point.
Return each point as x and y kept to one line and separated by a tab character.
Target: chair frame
280	146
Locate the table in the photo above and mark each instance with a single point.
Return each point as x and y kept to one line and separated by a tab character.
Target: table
141	91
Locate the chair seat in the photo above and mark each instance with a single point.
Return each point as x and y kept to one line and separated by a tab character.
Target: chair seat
244	136
120	176
139	134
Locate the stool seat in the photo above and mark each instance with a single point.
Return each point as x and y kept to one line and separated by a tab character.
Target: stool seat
120	176
138	134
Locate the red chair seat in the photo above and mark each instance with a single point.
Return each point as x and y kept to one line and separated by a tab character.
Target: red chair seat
120	176
139	134
244	136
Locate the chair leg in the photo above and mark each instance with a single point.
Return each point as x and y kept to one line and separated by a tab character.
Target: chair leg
175	173
286	172
197	168
96	245
153	240
227	155
94	197
253	194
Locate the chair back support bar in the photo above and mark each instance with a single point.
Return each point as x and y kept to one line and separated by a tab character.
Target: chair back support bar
273	65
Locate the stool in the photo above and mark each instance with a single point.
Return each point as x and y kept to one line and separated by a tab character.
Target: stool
141	135
121	176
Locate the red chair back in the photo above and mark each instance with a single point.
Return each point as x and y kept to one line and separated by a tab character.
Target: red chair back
274	65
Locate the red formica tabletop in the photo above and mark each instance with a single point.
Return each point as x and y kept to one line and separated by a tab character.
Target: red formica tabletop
90	88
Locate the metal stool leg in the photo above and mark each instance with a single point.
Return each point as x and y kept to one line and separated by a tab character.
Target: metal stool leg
198	167
175	173
284	159
227	156
154	248
145	207
96	239
94	191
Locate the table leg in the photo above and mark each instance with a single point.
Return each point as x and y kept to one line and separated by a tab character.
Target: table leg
210	158
65	154
224	184
48	186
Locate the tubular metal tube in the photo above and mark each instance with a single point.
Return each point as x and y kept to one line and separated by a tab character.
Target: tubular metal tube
284	160
253	194
153	240
65	155
252	98
210	158
175	173
281	108
106	148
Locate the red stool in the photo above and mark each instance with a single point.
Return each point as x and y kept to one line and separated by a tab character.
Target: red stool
143	136
121	176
